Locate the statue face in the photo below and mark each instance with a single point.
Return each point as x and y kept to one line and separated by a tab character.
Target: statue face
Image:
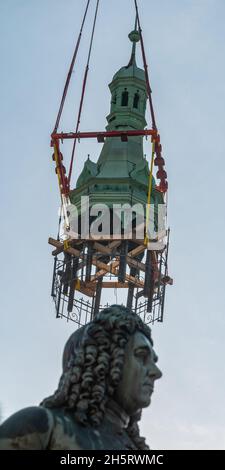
139	374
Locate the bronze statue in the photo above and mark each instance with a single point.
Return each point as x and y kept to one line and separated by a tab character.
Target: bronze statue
109	370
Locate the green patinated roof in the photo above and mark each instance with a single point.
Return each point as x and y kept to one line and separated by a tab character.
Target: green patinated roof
130	72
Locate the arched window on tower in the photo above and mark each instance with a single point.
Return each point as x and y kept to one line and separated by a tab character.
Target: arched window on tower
136	100
124	99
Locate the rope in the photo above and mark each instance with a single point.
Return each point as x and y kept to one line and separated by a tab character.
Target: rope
83	91
70	71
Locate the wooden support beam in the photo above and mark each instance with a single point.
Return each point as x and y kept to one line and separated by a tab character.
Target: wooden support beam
58	251
106	249
109	285
114	244
137	251
115	285
130	255
103	266
97	246
107	268
102	272
102	248
112	269
134	263
58	244
88	290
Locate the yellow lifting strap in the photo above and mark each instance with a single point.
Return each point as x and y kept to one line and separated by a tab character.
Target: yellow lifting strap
77	284
149	194
66	245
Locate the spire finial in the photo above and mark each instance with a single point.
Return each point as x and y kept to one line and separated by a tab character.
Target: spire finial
134	37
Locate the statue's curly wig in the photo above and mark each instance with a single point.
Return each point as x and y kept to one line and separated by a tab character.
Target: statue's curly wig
93	367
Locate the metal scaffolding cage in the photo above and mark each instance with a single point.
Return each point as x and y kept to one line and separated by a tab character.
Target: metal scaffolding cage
82	269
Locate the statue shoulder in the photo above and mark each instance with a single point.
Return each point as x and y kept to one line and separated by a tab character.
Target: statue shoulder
29	428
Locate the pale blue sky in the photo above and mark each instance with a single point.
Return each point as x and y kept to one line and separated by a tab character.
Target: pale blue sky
184	42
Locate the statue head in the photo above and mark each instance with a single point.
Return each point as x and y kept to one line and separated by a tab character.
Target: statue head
110	358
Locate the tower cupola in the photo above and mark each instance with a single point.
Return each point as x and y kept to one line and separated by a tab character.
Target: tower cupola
128	94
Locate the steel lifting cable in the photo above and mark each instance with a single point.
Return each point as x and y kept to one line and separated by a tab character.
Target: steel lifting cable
156	146
83	91
70	71
149	91
159	161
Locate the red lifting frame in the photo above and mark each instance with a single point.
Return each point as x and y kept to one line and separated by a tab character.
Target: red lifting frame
101	135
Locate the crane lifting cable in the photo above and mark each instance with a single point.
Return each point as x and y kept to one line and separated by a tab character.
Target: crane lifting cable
83	91
70	70
156	146
64	181
149	91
